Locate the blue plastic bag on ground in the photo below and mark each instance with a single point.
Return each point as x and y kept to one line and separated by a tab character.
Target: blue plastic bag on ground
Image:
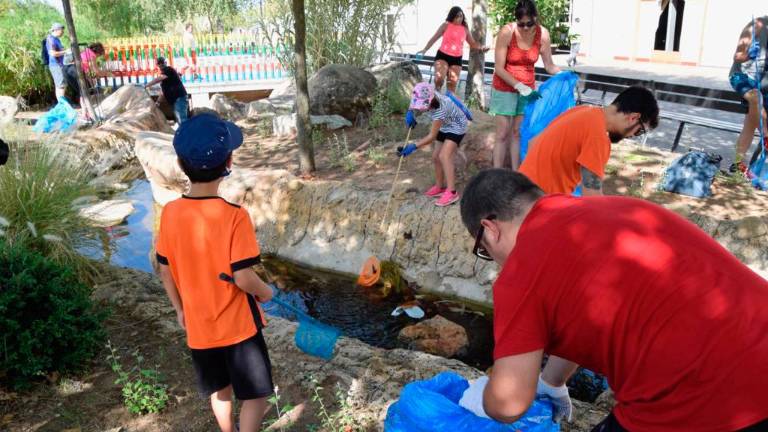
433	405
692	174
557	96
62	118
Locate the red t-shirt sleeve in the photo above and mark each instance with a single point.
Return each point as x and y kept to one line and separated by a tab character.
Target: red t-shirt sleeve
595	152
519	323
245	250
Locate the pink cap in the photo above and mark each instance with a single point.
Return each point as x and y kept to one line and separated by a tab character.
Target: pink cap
422	96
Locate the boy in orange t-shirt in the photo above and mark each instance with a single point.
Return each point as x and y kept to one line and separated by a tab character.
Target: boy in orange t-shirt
202	236
575	148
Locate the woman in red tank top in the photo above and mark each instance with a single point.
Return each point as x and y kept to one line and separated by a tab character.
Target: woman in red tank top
448	58
518	47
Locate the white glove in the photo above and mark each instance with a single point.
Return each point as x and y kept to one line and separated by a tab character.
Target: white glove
561	401
523	89
472	399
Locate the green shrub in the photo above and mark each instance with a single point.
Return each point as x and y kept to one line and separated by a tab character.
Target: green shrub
142	389
47	319
37	191
23	26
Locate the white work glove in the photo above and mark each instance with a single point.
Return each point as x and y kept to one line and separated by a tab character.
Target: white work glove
561	401
472	399
523	89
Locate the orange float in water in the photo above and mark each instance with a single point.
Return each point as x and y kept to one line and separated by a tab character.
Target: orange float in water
370	273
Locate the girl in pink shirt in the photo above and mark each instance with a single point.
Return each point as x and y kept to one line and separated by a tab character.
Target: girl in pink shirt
448	58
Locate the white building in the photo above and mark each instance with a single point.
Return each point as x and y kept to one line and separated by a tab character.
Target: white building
684	32
687	32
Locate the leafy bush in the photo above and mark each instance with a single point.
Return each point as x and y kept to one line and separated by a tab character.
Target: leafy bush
47	319
23	26
37	190
553	14
338	31
141	387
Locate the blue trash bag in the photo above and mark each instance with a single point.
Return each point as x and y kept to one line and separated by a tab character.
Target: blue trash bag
433	405
692	174
557	96
62	118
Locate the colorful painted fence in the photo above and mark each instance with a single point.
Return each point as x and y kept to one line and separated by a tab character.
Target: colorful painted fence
215	58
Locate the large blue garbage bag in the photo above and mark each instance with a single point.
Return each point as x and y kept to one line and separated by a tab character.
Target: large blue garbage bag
433	405
692	174
62	118
557	96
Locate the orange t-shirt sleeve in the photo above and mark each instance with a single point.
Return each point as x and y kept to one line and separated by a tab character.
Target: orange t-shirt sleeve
245	250
594	155
161	252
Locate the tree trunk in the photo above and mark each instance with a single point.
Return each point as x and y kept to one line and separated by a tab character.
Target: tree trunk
476	75
303	124
76	57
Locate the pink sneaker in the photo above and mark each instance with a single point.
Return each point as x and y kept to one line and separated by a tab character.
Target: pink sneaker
447	198
434	191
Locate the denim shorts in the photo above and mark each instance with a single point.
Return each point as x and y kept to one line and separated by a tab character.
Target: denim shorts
507	103
742	83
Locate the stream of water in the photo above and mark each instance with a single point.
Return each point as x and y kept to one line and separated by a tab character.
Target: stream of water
330	297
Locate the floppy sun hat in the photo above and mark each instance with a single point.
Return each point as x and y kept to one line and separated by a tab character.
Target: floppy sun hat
422	96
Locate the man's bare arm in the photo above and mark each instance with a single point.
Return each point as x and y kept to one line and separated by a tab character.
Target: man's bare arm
593	185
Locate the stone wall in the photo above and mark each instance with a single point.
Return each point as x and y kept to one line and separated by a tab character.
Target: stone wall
336	225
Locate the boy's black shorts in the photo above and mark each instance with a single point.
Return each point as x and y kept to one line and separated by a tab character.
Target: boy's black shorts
245	365
442	136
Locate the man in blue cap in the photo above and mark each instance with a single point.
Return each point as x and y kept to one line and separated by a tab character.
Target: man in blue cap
202	236
56	52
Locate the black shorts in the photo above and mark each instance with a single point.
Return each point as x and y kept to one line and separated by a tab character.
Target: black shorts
442	136
451	60
245	365
610	424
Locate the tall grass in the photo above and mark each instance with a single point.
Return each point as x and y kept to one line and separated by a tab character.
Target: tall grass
23	26
37	192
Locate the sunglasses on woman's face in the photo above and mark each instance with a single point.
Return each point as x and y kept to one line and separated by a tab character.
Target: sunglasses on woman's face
528	24
479	250
641	130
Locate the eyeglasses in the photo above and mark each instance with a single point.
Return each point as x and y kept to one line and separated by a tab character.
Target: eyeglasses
641	131
526	24
479	250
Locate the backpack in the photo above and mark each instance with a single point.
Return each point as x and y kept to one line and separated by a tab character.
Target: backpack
44	52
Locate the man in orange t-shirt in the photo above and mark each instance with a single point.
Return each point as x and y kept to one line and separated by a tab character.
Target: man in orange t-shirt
201	237
575	148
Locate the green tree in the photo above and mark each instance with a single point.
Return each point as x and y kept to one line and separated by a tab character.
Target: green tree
303	123
219	13
553	14
23	26
126	17
338	31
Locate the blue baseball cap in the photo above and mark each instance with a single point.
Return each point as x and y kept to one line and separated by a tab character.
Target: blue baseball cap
205	141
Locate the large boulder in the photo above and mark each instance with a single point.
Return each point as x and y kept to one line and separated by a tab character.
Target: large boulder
228	108
127	112
397	79
436	335
8	108
342	89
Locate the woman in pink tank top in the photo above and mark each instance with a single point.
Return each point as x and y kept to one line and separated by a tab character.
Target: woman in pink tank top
448	58
518	47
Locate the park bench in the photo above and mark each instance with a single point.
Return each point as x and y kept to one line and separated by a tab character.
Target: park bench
594	87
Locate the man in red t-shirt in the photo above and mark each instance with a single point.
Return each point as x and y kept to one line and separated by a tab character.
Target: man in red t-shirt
627	289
